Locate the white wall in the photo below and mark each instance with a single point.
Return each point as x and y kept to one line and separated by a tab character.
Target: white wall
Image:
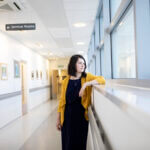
11	50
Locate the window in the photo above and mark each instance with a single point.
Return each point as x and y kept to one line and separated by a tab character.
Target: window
94	36
149	6
101	26
93	43
98	63
102	61
90	50
123	47
97	33
114	6
92	69
90	64
95	65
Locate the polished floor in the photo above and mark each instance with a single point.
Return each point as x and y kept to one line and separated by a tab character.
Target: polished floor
36	130
46	137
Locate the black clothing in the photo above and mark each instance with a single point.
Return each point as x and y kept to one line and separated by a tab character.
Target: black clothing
75	127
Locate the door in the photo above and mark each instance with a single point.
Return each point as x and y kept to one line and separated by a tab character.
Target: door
55	77
24	87
62	75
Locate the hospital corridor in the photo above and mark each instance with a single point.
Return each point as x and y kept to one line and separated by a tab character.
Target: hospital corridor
74	75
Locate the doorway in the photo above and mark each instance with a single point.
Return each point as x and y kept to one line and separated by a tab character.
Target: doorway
57	76
24	88
54	83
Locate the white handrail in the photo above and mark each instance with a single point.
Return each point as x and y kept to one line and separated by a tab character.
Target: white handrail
97	139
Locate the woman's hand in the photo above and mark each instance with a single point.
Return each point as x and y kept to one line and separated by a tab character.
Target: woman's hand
82	89
58	123
93	82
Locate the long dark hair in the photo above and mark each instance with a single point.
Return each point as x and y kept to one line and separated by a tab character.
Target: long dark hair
72	65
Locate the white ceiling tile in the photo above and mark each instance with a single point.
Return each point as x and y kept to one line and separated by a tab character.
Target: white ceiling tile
51	12
60	32
82	5
64	42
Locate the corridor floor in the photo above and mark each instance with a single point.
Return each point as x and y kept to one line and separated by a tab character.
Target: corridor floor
34	131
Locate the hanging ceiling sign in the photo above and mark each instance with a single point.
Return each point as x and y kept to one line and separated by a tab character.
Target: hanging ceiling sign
18	27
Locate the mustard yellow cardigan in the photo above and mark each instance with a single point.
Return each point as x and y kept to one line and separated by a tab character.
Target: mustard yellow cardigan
85	99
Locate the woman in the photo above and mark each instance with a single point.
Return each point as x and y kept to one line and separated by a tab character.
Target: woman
75	98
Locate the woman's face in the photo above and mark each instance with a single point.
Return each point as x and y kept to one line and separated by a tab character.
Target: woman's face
80	65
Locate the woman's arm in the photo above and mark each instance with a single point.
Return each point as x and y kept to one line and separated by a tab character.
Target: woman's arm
89	83
61	97
58	123
92	81
99	79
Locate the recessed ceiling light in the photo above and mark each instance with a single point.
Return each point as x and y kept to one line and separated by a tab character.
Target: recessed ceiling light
80	43
41	45
79	24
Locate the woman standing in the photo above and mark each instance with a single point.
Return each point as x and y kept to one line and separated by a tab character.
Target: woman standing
75	98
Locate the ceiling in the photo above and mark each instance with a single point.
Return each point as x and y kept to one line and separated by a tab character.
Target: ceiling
55	34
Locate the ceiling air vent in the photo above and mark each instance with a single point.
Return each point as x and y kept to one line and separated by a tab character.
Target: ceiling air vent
6	7
16	5
11	5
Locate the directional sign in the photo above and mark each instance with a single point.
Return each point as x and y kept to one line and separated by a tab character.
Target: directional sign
18	27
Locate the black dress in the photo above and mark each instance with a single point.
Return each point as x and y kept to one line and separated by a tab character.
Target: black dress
75	127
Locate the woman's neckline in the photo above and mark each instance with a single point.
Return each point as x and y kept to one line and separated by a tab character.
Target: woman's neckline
75	79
